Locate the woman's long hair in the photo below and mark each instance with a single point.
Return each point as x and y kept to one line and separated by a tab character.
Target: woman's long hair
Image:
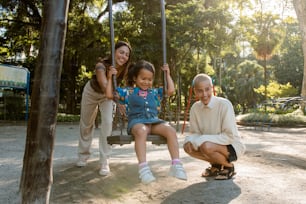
107	61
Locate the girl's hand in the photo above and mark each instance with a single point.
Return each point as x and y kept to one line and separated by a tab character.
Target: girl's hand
111	70
166	68
170	89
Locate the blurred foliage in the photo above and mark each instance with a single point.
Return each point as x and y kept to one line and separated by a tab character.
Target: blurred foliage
211	36
62	117
276	90
241	83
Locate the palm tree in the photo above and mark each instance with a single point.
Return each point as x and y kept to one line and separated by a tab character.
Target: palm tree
265	36
244	78
300	9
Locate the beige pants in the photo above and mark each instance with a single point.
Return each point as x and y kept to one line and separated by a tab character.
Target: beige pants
90	103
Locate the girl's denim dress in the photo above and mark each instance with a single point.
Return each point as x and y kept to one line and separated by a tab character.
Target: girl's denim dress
141	109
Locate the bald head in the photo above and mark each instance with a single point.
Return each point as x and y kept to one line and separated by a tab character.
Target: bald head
201	78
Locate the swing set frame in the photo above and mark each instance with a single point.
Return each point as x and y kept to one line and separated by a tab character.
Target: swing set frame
121	138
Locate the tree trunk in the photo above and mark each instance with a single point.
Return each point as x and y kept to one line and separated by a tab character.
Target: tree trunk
36	177
300	9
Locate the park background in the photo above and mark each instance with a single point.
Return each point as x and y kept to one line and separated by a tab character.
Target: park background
251	49
250	52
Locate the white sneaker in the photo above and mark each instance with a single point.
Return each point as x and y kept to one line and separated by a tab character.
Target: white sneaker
105	170
177	170
146	175
81	162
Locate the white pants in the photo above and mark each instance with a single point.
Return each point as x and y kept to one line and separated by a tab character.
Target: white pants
90	103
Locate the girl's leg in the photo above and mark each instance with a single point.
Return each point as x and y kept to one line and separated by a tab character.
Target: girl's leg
165	130
140	132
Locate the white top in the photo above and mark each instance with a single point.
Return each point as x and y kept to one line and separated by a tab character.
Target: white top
215	123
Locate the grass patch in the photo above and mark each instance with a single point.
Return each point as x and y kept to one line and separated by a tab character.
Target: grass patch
63	117
296	118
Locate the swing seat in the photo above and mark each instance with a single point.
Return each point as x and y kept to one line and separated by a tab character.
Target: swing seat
128	139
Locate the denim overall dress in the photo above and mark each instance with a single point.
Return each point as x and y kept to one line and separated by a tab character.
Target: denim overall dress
141	109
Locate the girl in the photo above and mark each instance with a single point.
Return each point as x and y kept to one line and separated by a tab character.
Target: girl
93	97
142	111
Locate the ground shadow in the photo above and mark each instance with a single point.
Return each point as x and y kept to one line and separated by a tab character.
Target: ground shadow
283	159
208	192
80	185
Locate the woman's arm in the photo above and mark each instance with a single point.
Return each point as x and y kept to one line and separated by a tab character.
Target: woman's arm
101	76
110	94
109	88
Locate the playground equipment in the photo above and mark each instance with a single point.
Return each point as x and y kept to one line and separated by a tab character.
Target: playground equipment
13	77
121	137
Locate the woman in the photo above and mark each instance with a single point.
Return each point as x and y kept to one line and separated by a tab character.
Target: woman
93	97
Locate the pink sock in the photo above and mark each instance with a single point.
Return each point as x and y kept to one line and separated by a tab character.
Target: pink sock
175	161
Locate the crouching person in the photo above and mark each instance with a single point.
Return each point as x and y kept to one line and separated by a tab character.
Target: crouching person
214	134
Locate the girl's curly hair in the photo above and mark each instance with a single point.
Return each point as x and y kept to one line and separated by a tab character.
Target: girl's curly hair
135	68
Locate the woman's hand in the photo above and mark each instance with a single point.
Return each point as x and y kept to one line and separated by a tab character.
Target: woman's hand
109	89
111	70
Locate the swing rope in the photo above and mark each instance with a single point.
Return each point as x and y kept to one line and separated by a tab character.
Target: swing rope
164	47
127	139
163	17
114	79
112	39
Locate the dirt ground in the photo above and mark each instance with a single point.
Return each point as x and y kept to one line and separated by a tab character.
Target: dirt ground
273	170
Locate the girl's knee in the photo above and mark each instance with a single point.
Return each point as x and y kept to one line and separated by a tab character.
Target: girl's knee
170	132
139	131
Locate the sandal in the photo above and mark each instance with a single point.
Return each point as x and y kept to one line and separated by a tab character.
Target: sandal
212	171
226	173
